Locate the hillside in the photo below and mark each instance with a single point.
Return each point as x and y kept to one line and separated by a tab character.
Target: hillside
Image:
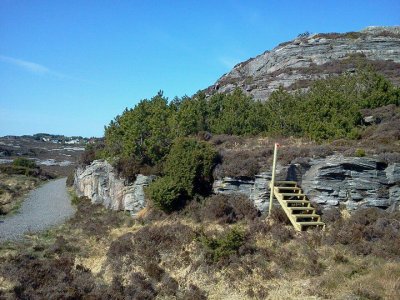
295	64
173	203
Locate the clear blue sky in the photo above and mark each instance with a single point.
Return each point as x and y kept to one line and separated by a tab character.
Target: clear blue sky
69	67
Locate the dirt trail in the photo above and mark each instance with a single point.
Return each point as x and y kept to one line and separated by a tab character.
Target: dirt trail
44	207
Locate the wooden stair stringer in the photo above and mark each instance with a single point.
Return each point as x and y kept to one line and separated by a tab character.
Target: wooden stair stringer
298	208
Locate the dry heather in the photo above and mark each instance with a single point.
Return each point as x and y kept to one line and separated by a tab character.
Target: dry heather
216	248
12	188
246	157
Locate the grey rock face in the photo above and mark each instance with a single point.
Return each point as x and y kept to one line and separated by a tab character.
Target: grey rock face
255	189
393	173
352	181
336	180
99	183
285	64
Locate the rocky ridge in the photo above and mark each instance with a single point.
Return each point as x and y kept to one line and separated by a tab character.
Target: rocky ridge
297	63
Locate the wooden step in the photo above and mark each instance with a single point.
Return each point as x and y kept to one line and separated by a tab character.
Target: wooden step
292	194
290	188
319	223
285	183
300	208
305	215
297	201
307	218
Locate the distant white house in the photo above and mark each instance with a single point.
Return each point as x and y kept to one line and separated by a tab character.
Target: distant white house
76	141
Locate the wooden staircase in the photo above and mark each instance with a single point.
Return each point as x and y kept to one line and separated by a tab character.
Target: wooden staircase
296	206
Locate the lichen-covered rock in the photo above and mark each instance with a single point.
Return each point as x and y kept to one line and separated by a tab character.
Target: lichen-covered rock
100	183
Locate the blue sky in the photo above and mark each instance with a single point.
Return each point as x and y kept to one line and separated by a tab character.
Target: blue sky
69	67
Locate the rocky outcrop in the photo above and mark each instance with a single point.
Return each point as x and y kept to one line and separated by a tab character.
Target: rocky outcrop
351	182
296	63
100	183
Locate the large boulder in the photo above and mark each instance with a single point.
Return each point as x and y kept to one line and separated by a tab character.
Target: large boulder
100	183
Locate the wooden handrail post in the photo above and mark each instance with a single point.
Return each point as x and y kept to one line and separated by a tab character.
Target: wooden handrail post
272	183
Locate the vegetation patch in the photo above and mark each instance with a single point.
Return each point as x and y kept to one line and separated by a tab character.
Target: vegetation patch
223	246
188	171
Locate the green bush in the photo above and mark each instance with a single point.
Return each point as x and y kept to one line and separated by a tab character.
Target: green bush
92	152
223	246
24	162
360	152
190	162
166	194
75	200
187	170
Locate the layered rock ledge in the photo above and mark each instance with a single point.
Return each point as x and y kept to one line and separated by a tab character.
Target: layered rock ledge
350	182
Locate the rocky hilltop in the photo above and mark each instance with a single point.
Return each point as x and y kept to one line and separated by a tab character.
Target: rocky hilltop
295	64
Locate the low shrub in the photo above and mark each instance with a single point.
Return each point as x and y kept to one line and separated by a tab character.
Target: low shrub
146	246
139	288
360	152
95	219
279	216
223	246
167	195
24	162
368	231
228	209
331	215
245	163
18	170
281	233
70	179
92	152
193	292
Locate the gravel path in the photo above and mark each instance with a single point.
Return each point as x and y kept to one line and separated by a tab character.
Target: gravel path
45	206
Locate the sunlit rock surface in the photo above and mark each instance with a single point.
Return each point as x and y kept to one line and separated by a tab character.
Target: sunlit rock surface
100	183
